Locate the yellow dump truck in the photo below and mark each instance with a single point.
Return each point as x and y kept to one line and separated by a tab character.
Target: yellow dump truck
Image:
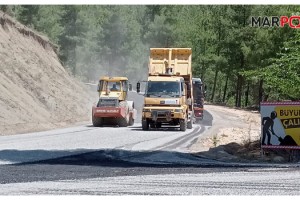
168	98
113	107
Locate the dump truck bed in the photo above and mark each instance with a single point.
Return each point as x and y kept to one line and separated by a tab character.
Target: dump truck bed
177	60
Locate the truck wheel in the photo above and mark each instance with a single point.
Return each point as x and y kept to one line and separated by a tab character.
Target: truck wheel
145	125
183	125
158	125
131	121
97	121
155	125
190	124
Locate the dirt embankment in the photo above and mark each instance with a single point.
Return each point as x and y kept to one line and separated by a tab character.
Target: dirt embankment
36	92
233	136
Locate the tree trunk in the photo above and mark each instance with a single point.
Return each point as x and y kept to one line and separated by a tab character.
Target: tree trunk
203	64
220	93
238	97
217	69
241	91
247	95
239	87
203	71
225	87
240	83
260	93
214	87
237	91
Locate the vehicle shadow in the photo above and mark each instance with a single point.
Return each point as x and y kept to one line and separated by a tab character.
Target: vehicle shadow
206	121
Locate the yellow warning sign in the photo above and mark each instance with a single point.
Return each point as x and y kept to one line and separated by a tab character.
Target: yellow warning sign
290	119
280	123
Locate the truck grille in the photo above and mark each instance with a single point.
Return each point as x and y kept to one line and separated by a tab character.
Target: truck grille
108	102
166	114
163	113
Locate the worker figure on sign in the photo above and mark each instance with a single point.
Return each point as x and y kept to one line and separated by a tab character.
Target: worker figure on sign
268	123
114	88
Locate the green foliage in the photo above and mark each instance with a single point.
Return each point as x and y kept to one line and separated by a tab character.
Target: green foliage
241	65
28	14
48	21
284	73
4	8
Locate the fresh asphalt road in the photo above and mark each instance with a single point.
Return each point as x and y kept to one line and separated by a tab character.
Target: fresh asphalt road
87	160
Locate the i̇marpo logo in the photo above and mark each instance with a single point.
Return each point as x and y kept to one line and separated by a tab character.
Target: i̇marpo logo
276	21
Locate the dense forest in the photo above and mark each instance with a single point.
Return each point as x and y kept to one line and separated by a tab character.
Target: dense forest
241	65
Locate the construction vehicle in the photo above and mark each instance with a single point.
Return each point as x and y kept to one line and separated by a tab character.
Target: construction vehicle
168	92
113	107
198	95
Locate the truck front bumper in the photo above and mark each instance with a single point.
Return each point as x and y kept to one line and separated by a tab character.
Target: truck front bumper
198	112
164	114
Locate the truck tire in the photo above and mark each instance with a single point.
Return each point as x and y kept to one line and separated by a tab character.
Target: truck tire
97	121
190	124
158	125
145	125
131	121
183	125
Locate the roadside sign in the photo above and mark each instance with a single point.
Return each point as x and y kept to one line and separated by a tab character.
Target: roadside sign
280	124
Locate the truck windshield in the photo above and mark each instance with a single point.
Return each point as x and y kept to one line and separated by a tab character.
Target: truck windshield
114	86
163	89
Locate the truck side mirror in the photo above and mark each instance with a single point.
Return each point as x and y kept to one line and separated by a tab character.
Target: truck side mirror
138	87
130	87
98	87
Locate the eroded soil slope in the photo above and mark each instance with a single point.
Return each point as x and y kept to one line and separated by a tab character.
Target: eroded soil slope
36	92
